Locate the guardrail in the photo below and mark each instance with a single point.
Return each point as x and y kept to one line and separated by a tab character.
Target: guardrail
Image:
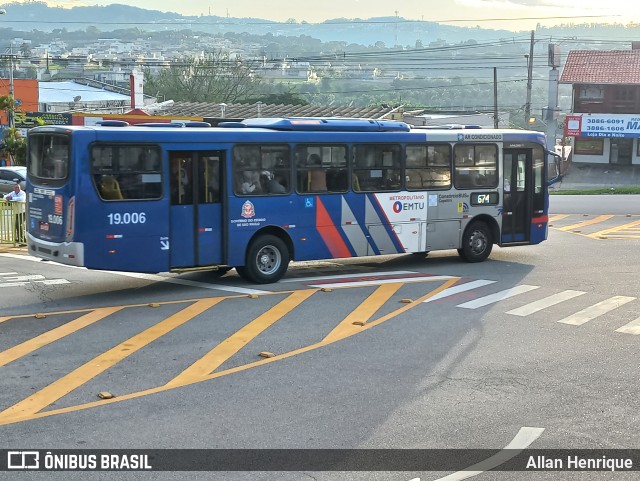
12	223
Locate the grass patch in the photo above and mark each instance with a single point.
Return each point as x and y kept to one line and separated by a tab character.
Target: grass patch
631	189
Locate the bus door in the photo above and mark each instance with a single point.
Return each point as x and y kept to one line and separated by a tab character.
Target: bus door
196	224
517	202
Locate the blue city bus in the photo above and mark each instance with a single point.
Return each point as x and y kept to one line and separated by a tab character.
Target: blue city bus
257	194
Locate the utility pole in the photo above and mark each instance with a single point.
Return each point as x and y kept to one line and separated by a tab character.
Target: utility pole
10	114
495	97
527	106
12	123
551	113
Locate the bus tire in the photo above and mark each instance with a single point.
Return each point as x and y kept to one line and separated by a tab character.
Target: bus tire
476	242
267	260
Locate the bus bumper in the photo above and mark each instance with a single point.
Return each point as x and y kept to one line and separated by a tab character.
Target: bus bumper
70	253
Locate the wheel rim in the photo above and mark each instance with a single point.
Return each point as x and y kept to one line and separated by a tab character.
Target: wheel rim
478	242
268	260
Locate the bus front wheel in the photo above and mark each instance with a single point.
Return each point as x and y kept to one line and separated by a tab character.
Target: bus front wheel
267	260
476	243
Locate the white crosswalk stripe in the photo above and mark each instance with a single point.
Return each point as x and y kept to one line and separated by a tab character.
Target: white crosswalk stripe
596	310
498	296
12	279
632	328
460	288
544	303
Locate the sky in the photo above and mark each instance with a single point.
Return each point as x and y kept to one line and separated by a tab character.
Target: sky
479	12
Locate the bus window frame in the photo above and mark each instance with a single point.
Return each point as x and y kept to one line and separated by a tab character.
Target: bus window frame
260	171
94	173
301	167
428	166
474	166
397	166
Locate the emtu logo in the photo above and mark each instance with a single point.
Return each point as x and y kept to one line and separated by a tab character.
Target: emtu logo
397	207
23	460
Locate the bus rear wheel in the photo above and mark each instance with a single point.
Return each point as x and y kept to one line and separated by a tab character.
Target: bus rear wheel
267	260
476	243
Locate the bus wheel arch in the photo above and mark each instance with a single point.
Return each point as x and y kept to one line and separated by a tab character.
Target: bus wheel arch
268	255
478	239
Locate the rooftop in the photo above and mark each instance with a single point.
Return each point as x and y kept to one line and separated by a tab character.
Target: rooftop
244	111
602	67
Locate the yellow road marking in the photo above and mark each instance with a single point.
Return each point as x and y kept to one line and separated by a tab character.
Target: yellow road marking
363	312
101	363
600	218
230	346
22	416
557	217
56	334
619	228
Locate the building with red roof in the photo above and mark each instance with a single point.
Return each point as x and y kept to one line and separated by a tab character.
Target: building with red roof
605	119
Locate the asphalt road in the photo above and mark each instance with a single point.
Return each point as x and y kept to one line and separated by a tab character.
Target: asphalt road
594	204
540	337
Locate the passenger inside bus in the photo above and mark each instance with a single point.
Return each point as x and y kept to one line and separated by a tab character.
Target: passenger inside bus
317	175
251	177
110	188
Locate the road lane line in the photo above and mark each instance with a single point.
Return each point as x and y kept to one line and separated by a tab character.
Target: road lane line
19	417
364	311
590	313
525	437
606	232
56	390
34	277
460	288
597	220
546	302
151	277
377	282
498	296
54	335
8	273
230	346
186	282
632	328
348	276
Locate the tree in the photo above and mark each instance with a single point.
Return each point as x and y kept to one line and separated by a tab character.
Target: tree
216	78
25	50
14	144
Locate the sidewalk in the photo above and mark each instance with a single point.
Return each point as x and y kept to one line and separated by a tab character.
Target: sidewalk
9	248
597	176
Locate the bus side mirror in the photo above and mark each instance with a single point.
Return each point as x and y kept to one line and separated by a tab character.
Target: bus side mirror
556	163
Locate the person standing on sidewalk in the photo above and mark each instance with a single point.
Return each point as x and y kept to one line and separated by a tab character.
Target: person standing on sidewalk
18	195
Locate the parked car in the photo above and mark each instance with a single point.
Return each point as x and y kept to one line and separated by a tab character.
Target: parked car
9	176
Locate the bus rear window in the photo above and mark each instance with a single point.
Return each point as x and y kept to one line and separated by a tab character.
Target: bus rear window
48	156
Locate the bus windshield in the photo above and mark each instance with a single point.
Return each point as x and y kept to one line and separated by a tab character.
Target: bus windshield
48	157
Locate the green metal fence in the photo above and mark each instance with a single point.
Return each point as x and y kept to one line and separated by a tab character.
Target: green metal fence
12	223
